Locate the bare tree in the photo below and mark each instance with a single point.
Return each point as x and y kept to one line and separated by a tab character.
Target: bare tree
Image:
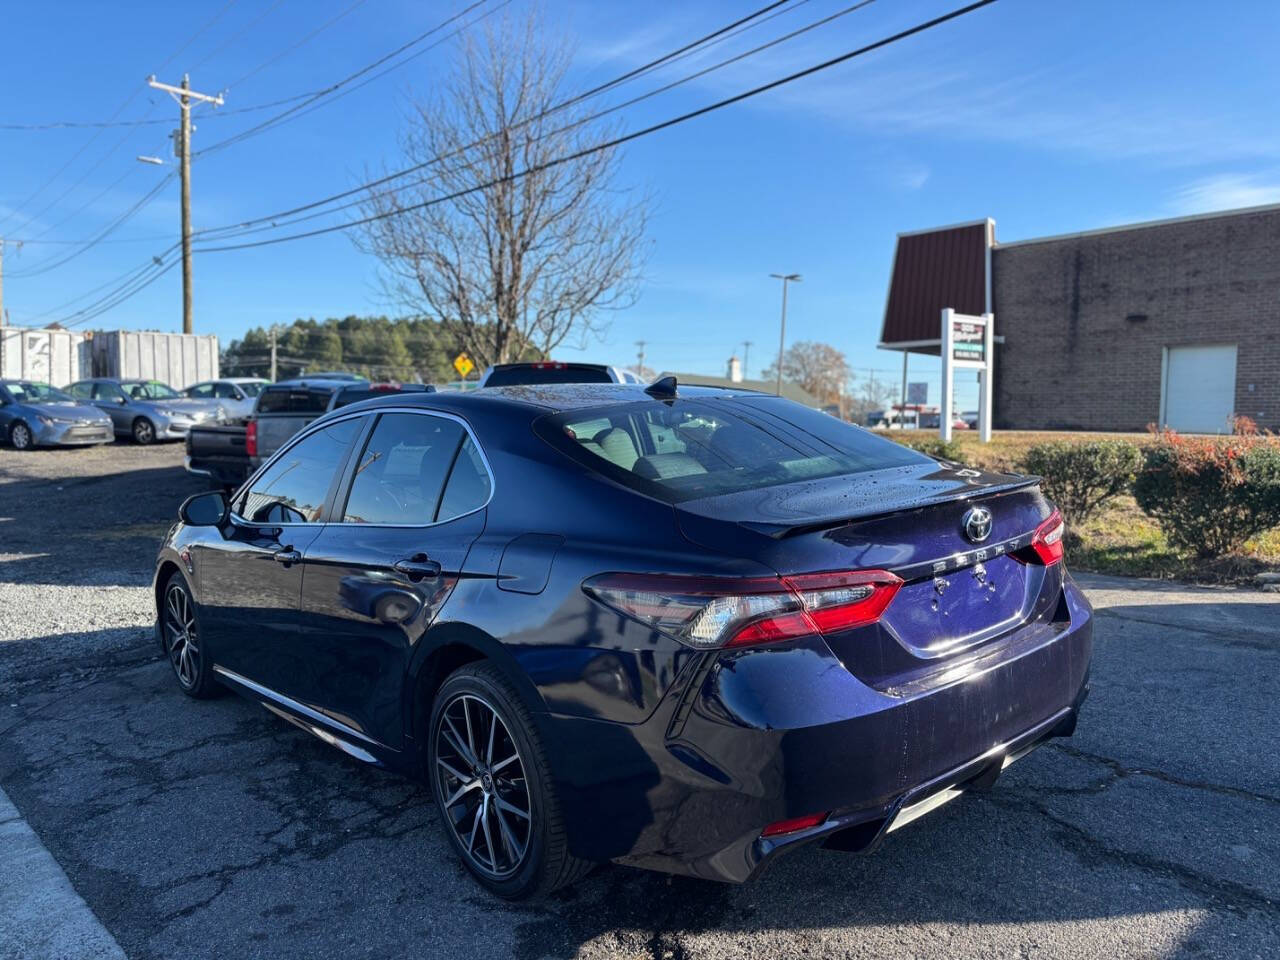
818	367
543	247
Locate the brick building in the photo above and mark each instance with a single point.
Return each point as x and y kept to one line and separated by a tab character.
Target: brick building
1174	322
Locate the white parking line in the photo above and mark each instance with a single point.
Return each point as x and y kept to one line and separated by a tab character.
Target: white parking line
41	915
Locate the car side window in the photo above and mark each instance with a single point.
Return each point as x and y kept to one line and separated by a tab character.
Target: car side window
202	390
401	472
224	391
469	484
106	391
294	487
82	391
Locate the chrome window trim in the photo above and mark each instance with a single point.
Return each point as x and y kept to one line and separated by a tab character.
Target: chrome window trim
435	523
317	425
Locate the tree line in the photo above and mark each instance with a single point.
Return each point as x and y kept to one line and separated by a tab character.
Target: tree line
408	349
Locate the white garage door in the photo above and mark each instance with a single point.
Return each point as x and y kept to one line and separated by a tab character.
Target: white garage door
1200	388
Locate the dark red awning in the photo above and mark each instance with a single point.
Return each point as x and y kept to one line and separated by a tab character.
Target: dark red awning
932	270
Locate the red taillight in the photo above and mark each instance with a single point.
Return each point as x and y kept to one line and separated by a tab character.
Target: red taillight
716	612
550	365
251	438
1046	543
794	824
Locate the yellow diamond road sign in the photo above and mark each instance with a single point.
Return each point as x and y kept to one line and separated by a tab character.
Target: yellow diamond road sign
462	363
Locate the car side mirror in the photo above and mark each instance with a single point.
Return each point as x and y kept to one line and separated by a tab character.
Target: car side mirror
122	400
205	509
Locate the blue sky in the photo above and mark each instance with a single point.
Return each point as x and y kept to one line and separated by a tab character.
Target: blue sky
1047	117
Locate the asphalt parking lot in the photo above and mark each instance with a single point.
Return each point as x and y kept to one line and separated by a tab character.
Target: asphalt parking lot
195	829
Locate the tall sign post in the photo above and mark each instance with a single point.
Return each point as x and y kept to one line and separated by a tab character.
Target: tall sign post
967	344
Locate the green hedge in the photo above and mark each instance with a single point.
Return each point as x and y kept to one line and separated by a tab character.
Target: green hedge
1081	477
930	444
1210	495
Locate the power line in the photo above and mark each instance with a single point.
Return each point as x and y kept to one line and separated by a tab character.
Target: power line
143	122
234	37
120	109
625	138
723	33
100	236
280	117
283	53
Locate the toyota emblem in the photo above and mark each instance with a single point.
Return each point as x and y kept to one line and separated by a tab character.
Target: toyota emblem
977	524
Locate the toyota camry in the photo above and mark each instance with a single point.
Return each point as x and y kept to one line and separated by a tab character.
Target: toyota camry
676	627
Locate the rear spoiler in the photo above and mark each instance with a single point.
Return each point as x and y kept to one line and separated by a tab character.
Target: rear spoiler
780	531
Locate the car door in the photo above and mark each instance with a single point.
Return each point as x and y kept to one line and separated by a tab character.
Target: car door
233	401
109	398
251	576
379	572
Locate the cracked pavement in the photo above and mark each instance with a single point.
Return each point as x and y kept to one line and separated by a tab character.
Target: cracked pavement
203	828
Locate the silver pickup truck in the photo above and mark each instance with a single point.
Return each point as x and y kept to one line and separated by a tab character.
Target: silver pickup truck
228	455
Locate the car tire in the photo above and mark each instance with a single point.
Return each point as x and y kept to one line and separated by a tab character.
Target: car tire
21	437
183	645
144	431
500	785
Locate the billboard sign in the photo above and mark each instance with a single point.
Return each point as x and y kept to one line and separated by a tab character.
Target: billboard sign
967	344
969	340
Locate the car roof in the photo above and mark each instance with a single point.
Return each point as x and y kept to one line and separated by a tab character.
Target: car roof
319	383
547	398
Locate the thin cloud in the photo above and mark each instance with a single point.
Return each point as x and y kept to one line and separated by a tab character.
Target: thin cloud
1226	191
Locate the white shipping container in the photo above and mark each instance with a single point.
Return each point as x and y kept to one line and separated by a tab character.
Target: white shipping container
57	357
178	359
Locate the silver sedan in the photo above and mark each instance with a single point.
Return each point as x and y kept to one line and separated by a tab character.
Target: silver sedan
36	414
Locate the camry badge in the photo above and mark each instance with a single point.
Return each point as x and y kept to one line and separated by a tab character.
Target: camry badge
977	524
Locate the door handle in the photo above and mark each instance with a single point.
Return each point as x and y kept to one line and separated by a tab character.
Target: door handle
286	556
417	567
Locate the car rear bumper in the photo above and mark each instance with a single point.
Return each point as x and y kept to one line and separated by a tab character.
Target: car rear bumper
776	735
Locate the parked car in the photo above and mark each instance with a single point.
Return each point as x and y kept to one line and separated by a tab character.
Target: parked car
932	420
227	453
36	414
236	394
146	410
686	629
551	371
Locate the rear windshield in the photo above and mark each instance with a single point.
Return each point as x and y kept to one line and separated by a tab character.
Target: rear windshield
686	449
251	389
293	401
569	373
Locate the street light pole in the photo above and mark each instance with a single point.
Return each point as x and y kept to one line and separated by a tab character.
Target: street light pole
746	356
184	95
782	333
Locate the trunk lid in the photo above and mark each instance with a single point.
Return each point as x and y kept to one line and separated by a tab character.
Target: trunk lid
958	595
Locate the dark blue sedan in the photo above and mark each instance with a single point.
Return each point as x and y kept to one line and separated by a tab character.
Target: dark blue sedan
681	628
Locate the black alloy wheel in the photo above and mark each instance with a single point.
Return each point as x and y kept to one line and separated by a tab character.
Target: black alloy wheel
492	785
181	631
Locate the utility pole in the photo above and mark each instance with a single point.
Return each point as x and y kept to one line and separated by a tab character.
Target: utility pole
273	353
640	355
782	333
746	353
1	281
184	95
